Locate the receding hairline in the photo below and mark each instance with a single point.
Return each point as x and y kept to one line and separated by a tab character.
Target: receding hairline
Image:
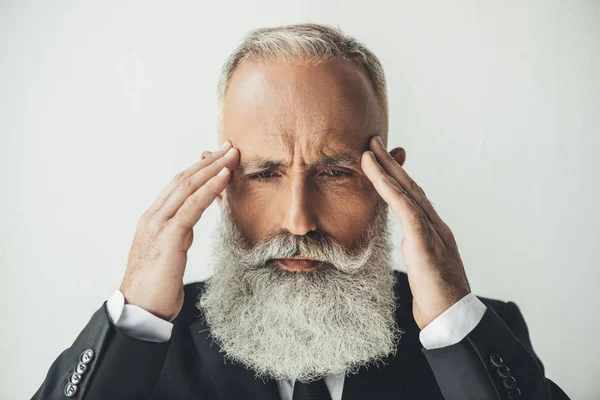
310	44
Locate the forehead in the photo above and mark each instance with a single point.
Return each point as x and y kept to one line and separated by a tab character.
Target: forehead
291	107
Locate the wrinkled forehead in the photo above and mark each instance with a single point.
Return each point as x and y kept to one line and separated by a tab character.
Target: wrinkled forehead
293	107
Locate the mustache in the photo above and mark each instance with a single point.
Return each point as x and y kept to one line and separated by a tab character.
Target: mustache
314	244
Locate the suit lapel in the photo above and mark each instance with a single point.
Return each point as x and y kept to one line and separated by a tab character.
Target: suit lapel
233	381
386	382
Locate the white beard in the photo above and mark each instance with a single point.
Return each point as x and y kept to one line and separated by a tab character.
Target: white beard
302	325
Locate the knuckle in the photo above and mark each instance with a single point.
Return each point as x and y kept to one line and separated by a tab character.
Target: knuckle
186	183
192	201
415	187
152	228
179	176
143	219
180	216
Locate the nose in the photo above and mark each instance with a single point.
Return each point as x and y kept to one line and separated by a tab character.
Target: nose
297	204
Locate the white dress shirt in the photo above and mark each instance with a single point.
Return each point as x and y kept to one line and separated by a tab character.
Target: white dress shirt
448	328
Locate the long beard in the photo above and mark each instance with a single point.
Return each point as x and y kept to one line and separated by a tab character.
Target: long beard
289	325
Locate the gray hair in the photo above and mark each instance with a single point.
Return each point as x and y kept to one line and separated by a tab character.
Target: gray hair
302	42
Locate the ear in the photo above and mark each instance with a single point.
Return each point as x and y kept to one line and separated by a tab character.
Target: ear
399	154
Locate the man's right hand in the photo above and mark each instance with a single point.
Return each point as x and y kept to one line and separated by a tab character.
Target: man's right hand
154	276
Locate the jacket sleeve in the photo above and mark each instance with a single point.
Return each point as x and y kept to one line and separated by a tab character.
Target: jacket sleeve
104	363
495	361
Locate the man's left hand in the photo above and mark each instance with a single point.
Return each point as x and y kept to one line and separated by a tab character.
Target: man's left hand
436	273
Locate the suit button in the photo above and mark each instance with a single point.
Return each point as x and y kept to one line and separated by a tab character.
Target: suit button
75	378
81	368
503	371
70	390
514	394
86	356
509	382
496	360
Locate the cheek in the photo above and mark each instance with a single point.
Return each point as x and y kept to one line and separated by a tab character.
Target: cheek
252	208
349	207
346	218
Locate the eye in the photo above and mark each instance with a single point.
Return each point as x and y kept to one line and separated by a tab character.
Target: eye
337	174
333	174
262	176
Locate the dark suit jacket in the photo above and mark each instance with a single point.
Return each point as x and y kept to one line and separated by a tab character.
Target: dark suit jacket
496	354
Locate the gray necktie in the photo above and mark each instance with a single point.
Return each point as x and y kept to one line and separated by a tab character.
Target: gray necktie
316	390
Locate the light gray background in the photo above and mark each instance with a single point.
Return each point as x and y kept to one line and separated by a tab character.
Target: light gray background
496	103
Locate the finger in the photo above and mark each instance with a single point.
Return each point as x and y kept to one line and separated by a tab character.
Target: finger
194	206
399	174
206	160
192	183
411	217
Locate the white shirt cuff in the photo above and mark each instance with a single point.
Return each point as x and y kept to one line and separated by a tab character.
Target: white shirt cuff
137	322
454	324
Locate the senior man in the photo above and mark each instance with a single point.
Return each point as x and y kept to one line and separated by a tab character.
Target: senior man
303	303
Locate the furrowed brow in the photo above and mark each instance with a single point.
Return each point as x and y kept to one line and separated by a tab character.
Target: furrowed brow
334	161
337	161
258	163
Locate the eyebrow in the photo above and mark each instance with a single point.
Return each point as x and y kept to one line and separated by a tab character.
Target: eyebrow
333	161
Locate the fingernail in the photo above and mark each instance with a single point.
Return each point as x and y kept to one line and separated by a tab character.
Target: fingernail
380	141
225	145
